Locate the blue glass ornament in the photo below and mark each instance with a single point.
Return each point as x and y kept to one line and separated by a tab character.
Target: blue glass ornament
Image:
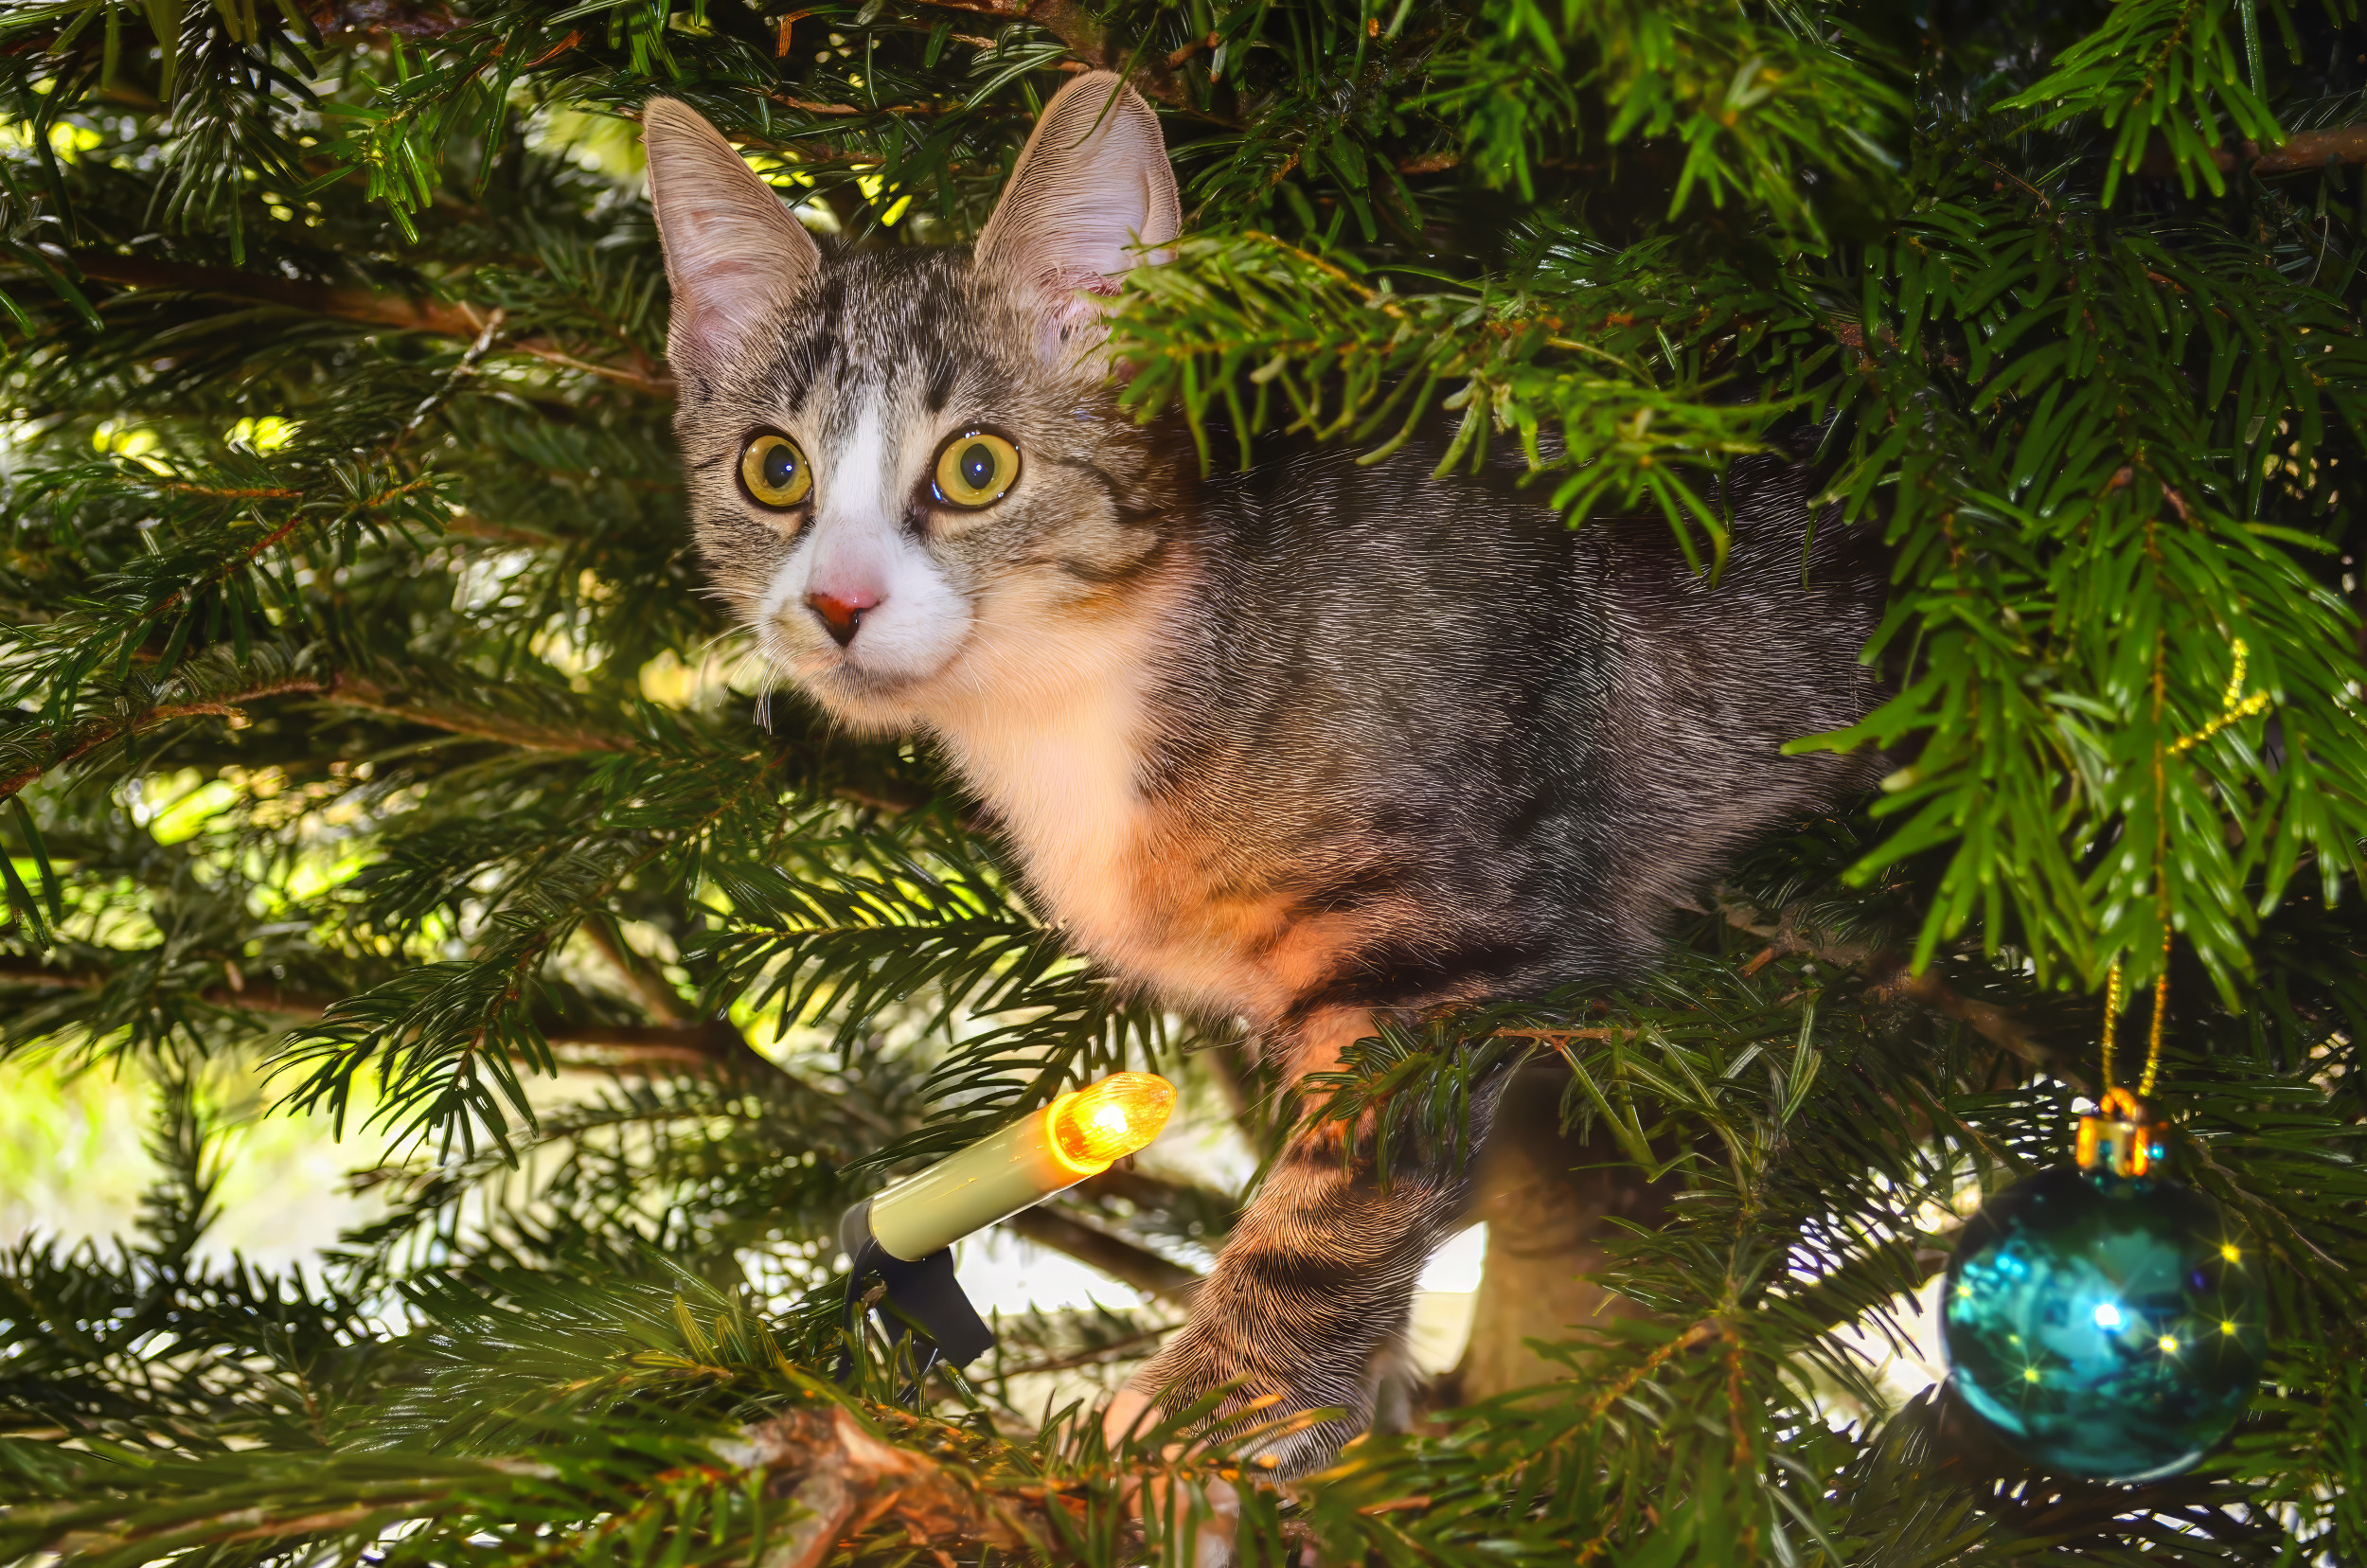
2109	1326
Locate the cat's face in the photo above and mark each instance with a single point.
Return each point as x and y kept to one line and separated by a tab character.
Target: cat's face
908	473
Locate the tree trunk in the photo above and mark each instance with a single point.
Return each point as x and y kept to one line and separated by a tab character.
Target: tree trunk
1545	1197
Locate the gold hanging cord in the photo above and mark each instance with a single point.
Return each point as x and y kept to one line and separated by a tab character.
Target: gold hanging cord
2119	1135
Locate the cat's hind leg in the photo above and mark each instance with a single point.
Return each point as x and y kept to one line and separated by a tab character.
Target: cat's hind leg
1315	1283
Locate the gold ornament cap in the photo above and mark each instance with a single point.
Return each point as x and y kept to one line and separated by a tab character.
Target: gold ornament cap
2120	1137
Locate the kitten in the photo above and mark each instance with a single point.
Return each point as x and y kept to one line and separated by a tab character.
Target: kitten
1296	746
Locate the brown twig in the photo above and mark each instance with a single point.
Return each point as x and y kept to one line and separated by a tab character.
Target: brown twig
650	988
1988	1020
1708	1328
1115	1255
1179	56
252	995
715	1044
2302	150
1427	162
359	305
848	1479
1094	1357
264	494
573	38
469	525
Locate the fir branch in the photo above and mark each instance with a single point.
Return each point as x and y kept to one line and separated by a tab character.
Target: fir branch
348	689
361	305
715	1046
1088	39
62	748
74	745
1355	362
2103	431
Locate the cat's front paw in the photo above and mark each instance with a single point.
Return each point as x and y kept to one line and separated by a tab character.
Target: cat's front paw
1254	1413
1131	1414
1214	1505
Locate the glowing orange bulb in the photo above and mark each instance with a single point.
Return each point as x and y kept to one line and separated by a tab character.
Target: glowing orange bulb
1107	1121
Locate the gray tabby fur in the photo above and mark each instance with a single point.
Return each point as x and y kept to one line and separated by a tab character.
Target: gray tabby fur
1293	747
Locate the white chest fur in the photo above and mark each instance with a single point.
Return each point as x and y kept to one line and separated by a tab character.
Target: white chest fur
1058	767
1051	734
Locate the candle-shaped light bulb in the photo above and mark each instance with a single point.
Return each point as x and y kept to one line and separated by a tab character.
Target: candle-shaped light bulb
1105	1122
1082	1134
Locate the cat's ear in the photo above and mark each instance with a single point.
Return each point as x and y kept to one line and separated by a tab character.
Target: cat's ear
733	251
1092	186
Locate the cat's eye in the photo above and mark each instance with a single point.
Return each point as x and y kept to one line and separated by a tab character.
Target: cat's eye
774	471
974	469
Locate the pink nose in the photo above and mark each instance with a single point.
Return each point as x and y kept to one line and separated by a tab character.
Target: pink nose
843	612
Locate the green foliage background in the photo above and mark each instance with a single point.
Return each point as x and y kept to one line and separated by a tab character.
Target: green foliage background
342	532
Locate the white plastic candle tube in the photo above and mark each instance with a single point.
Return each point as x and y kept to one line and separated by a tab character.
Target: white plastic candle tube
1082	1134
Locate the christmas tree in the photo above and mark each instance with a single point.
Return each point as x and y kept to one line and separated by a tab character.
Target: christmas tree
364	722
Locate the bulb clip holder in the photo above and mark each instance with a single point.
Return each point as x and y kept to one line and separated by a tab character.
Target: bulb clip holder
2121	1136
922	1299
904	1233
